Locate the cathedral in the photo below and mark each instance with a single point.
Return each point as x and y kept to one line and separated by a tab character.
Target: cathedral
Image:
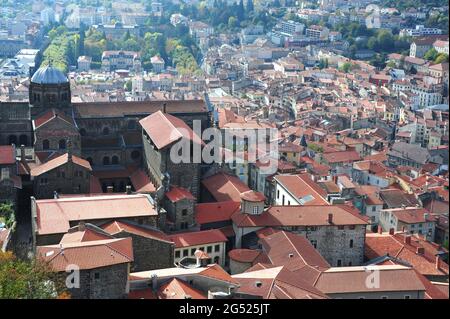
76	148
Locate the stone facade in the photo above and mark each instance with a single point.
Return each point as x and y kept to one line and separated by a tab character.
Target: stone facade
149	253
180	213
69	178
103	283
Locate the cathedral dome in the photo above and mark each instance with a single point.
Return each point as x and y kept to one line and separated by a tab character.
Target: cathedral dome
49	75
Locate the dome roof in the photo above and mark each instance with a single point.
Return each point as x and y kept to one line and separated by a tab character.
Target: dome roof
49	75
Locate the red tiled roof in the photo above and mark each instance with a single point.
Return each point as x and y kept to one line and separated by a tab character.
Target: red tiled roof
87	234
244	255
7	155
198	238
354	279
57	162
87	255
302	185
50	115
165	129
315	215
341	157
224	187
146	293
116	227
378	245
178	289
215	212
178	193
141	182
252	196
216	272
54	215
412	215
292	250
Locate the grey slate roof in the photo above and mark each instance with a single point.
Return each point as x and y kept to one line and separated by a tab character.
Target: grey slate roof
49	75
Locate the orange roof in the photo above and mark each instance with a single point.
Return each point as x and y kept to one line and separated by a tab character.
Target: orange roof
314	215
116	227
411	215
341	157
215	212
7	155
252	196
378	245
165	129
54	215
301	186
224	187
87	255
178	193
178	289
244	255
57	162
198	238
141	182
50	115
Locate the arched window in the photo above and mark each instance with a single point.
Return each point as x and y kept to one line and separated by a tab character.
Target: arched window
12	139
106	131
115	160
45	144
106	160
23	140
135	155
62	144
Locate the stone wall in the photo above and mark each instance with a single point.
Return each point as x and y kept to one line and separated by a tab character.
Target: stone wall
149	253
64	180
102	283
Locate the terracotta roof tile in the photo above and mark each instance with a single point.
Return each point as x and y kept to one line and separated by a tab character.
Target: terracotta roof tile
224	187
215	212
87	255
57	162
7	155
179	193
198	238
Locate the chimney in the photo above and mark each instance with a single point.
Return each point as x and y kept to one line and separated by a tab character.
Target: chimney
438	262
420	250
330	218
109	189
22	153
55	195
380	229
128	189
407	239
154	279
391	231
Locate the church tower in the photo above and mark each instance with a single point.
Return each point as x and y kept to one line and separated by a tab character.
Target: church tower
49	88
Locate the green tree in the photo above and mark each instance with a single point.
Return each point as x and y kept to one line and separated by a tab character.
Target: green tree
28	280
431	54
346	67
7	214
442	57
